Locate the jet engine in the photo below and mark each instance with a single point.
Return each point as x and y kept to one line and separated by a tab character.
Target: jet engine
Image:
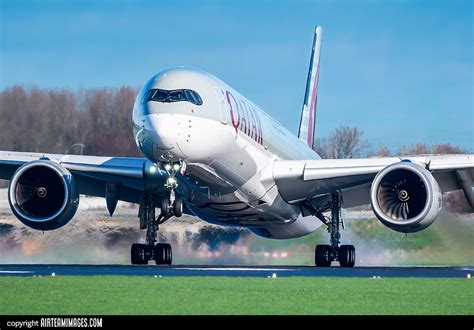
405	197
42	194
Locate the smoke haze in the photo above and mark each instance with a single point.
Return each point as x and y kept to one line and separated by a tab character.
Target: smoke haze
93	237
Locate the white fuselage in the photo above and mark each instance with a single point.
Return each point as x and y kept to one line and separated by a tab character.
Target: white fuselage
229	146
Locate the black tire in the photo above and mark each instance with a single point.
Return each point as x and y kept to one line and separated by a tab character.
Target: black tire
163	254
169	254
178	207
139	254
347	255
322	258
165	207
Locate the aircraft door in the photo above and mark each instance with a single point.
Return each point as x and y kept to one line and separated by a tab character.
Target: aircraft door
222	104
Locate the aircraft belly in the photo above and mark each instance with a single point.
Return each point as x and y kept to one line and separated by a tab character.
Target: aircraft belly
231	209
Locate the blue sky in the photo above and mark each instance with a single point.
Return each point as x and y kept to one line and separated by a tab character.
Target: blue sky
402	71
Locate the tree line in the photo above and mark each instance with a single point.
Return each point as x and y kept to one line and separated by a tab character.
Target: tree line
348	142
44	120
51	121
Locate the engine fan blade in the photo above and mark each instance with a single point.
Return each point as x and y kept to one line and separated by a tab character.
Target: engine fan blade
405	211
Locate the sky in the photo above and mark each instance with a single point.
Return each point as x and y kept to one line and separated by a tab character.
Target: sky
402	71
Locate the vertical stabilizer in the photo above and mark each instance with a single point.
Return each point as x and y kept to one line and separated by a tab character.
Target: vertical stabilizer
308	114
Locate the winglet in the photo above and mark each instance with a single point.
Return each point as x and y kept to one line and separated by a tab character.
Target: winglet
308	114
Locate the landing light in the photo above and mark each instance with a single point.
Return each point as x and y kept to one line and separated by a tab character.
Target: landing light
171	181
168	167
176	167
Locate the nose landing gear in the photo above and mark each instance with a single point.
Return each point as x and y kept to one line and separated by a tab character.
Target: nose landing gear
172	205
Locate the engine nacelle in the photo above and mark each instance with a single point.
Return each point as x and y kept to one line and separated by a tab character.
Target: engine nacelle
405	197
42	194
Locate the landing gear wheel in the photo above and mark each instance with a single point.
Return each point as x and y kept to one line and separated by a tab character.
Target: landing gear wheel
139	254
322	255
165	207
163	254
347	255
178	207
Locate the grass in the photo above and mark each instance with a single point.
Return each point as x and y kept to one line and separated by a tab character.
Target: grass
227	295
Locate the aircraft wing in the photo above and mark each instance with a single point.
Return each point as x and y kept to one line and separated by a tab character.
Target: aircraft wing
300	180
94	176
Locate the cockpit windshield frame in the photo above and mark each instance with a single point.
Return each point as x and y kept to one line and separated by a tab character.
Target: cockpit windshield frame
171	96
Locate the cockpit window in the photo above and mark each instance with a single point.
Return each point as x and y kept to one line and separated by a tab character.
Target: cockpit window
158	95
176	95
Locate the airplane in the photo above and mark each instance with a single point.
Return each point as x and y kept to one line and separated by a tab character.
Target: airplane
212	153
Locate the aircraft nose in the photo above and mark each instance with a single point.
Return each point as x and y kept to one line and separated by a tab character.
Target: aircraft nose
165	132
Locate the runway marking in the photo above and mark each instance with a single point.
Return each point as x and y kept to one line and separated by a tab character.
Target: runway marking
15	272
237	269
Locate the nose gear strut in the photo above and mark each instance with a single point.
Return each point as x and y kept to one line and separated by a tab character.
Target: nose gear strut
172	205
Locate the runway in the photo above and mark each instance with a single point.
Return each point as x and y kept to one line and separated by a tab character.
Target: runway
234	271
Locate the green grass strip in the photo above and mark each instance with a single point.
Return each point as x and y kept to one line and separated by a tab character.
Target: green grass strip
232	295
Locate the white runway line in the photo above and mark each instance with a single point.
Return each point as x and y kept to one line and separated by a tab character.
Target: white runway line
15	272
237	269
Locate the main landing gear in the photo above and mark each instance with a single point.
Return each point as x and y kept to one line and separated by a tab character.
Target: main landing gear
162	253
142	253
325	254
